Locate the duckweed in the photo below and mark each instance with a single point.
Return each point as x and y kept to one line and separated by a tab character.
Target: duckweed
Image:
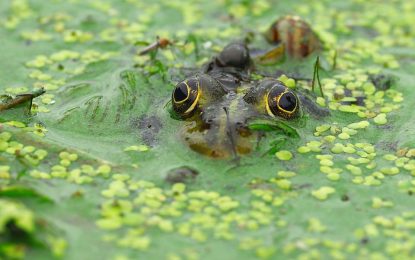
284	155
344	136
380	203
333	176
390	170
286	174
139	148
359	125
410	153
354	169
303	149
315	225
323	192
380	119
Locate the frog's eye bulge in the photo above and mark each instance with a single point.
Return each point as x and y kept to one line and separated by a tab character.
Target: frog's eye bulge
185	96
234	55
194	92
273	98
281	101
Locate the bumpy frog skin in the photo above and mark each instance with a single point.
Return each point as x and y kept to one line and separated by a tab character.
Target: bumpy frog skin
218	104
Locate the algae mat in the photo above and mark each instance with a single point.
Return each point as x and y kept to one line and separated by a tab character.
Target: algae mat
83	176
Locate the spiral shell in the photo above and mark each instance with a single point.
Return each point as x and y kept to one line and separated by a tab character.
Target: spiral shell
296	34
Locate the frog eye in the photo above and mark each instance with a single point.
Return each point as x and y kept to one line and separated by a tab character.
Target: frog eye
185	96
234	55
281	101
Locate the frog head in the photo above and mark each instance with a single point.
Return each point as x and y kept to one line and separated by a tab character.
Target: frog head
218	104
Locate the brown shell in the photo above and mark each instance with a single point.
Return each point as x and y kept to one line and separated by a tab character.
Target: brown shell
296	34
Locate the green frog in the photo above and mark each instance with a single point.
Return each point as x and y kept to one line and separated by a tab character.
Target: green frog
218	104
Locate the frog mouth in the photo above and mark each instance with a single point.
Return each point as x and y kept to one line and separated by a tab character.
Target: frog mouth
221	149
232	139
224	140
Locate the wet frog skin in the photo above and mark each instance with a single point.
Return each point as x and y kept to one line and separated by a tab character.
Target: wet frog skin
217	104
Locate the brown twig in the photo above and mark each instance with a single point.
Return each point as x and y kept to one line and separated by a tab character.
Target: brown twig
20	99
159	43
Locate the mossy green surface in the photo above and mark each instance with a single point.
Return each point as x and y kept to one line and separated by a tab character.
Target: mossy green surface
81	179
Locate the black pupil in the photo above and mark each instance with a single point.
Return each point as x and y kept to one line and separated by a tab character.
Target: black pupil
288	102
181	92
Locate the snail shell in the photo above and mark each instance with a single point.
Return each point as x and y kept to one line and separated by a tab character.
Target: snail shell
296	34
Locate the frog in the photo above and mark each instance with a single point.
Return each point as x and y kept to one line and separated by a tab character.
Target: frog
218	104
